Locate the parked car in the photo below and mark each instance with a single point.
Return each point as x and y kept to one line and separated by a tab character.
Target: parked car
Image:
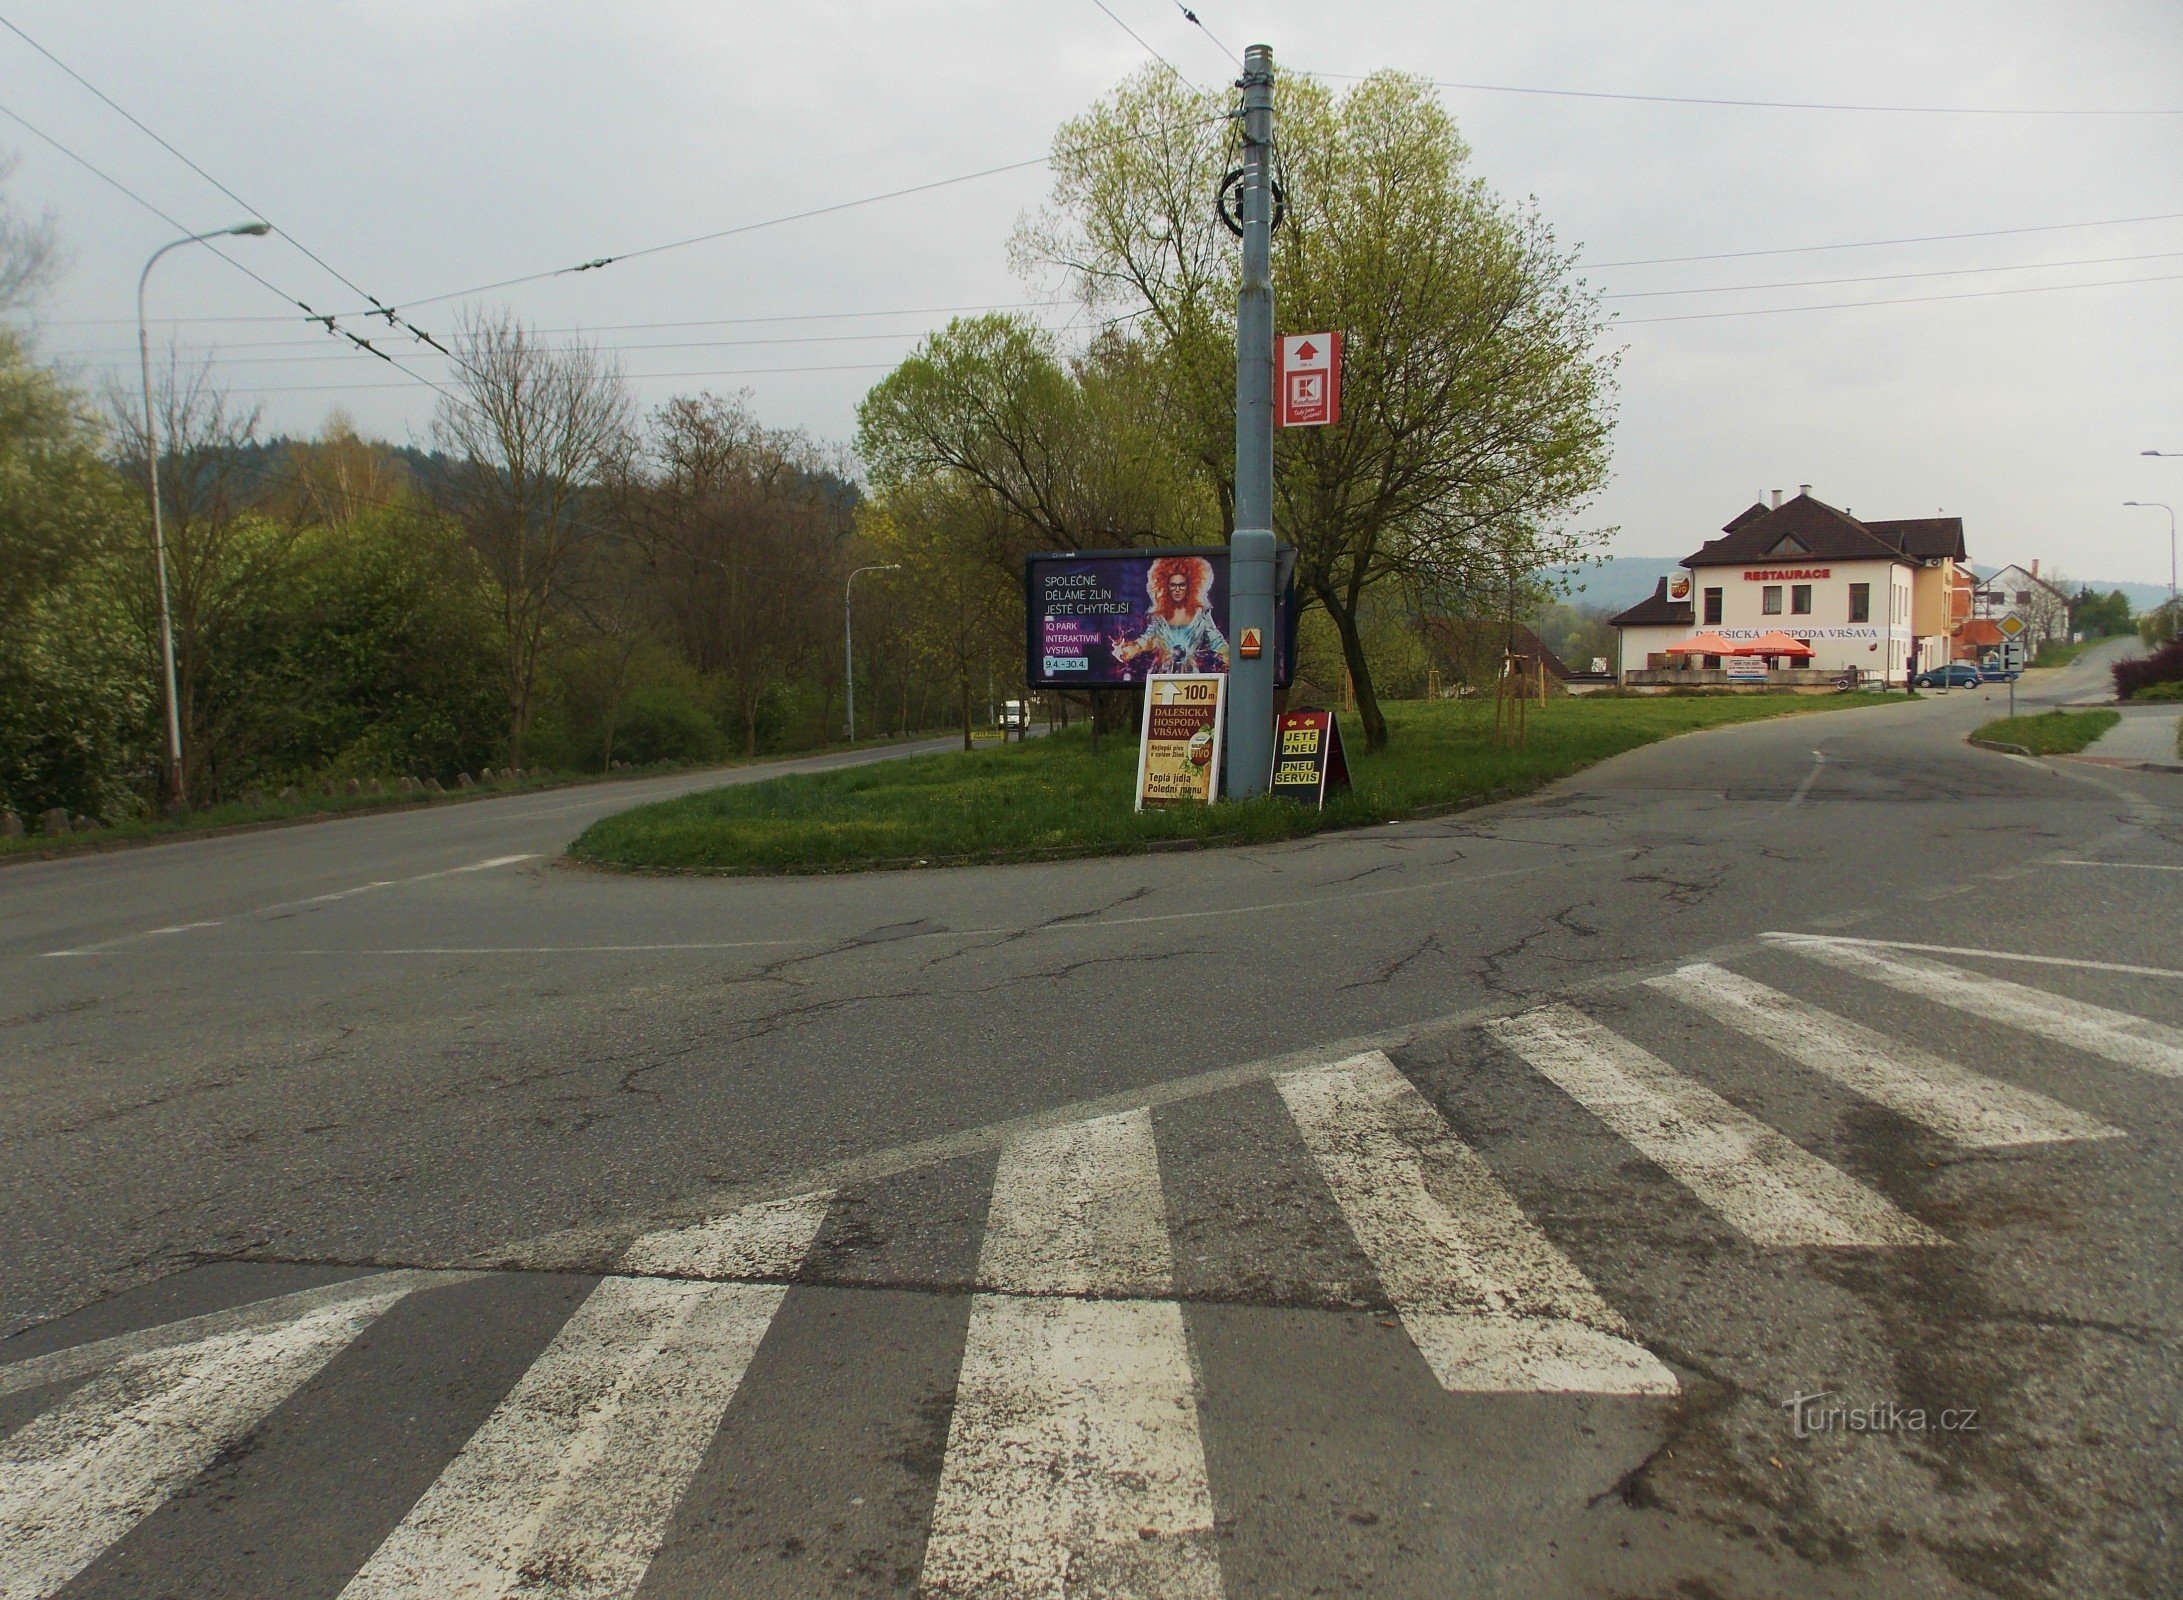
1955	675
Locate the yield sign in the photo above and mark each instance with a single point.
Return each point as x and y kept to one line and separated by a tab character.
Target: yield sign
1307	380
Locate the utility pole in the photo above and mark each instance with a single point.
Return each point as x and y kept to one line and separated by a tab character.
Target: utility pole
849	640
1249	766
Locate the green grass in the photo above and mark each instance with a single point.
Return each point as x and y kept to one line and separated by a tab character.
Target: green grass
2051	733
1054	797
2060	652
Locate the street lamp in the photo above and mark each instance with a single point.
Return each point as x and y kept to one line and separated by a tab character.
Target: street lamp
176	793
2162	505
849	639
2170	454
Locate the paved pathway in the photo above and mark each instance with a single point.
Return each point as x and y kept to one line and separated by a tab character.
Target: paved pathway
2146	735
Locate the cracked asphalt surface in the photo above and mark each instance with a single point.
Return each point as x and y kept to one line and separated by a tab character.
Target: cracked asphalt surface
228	1075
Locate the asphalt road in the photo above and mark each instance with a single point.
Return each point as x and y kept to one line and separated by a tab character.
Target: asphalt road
1447	1208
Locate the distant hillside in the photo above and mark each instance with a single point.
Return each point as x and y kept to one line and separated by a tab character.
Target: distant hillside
1617	583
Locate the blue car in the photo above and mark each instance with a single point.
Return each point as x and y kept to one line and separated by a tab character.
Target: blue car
1955	675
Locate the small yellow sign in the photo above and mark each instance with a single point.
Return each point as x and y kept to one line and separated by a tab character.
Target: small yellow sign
1178	755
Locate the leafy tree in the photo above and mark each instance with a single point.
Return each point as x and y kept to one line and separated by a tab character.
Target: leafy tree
1476	409
2097	615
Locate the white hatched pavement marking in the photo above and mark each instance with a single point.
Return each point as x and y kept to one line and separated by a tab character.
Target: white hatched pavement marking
1773	1191
77	1361
1074	1464
2133	1041
767	1240
1078	1209
78	1477
1489	1301
568	1487
575	1475
1955	1102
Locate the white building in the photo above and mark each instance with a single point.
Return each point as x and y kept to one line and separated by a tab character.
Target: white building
1874	596
2023	591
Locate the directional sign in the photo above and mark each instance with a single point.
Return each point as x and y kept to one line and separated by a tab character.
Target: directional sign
1307	380
2011	625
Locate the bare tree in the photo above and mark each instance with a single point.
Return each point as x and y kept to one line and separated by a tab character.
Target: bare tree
30	252
535	434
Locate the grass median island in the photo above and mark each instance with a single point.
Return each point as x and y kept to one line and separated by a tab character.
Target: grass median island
2050	733
1053	797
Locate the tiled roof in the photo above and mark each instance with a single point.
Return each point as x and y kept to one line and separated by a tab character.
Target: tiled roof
1924	537
1656	610
1798	530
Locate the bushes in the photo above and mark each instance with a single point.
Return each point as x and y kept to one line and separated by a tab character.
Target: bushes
2163	666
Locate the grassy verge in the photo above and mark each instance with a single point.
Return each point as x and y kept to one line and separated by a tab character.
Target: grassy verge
2051	733
1054	797
2060	652
236	816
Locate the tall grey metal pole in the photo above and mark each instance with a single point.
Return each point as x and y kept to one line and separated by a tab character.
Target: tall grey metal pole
849	639
1249	764
2162	505
177	793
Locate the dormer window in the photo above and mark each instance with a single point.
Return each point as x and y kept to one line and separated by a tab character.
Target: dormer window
1789	545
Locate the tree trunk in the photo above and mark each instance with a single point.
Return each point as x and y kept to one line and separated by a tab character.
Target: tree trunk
1344	619
963	678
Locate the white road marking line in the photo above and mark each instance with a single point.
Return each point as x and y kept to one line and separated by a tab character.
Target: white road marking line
1074	1464
1773	1191
102	946
1819	762
1955	1102
78	1477
77	1361
568	1487
1078	1210
1975	950
1490	1303
767	1240
2133	1041
2138	866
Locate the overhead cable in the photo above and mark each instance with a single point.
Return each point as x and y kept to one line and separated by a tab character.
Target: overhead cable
1775	105
1874	244
1902	300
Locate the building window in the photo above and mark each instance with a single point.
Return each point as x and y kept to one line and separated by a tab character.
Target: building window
1713	608
1770	600
1800	600
1860	602
2023	597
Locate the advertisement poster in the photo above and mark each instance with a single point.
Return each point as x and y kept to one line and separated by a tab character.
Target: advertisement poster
1108	618
1309	762
1178	755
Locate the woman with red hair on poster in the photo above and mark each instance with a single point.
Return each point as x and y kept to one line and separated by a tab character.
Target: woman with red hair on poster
1181	635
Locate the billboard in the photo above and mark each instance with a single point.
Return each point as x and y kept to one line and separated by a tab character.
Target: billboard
1097	619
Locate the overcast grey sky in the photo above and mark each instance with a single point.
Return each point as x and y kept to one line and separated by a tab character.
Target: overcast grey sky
426	147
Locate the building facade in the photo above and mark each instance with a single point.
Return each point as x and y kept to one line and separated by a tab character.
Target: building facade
1881	598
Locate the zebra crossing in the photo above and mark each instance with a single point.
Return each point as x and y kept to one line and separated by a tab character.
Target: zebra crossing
1074	1460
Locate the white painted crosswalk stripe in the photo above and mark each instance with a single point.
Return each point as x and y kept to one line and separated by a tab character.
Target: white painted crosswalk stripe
2133	1041
767	1240
78	1477
1074	1464
1955	1102
1770	1189
1488	1300
568	1487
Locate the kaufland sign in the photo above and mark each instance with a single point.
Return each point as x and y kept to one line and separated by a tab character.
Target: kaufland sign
1307	380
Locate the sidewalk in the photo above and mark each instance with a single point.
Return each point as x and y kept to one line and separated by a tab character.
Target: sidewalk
2144	738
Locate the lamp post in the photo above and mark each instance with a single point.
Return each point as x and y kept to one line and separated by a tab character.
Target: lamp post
2162	505
849	639
176	794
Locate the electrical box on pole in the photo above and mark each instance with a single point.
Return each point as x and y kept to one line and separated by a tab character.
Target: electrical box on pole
1251	565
